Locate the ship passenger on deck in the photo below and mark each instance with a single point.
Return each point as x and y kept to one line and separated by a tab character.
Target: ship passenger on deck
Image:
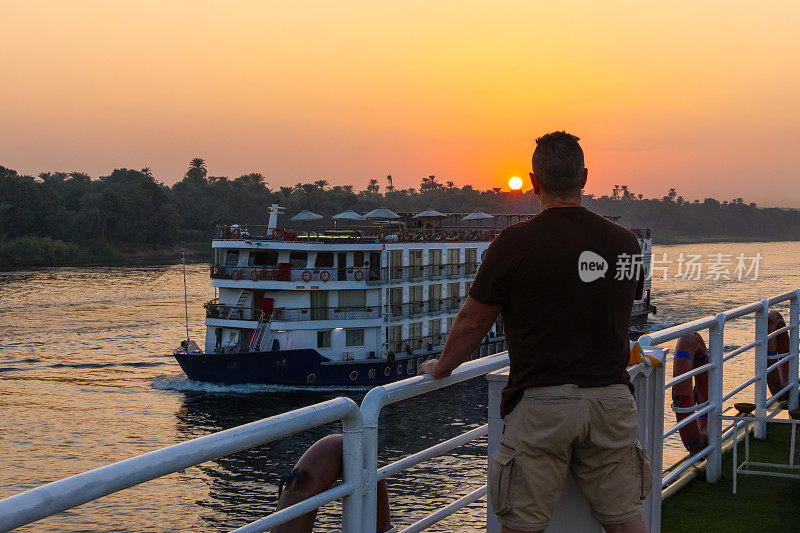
568	403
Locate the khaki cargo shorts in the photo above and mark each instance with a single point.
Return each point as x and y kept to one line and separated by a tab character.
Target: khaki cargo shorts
591	431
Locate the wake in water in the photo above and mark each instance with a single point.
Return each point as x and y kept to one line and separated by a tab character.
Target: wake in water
179	382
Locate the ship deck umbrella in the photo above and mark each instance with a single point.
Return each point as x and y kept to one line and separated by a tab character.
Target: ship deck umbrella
305	216
477	216
430	216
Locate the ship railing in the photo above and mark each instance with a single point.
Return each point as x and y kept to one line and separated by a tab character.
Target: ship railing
714	327
231	312
439	305
428	272
47	500
353	233
281	314
361	470
295	275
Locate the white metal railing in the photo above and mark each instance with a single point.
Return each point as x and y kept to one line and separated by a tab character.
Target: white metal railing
715	406
64	494
360	425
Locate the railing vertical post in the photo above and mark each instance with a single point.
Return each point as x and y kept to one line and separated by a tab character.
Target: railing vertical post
370	411
761	332
497	380
794	347
716	346
353	471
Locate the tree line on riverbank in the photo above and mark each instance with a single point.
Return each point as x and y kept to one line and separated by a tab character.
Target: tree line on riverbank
61	218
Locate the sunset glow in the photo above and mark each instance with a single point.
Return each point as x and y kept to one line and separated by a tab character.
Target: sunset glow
515	183
696	96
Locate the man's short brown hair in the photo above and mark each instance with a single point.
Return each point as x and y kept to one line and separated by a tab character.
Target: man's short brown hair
558	163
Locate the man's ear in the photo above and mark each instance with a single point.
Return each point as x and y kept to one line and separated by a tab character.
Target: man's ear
585	176
536	188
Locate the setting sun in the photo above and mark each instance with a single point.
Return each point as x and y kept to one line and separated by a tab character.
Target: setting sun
515	183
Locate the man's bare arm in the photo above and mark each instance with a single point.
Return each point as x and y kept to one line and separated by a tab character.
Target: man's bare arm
468	330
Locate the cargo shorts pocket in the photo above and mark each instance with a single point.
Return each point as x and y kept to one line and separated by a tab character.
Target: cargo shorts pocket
501	470
643	471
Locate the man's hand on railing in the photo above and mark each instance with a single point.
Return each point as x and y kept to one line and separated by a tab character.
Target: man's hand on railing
433	368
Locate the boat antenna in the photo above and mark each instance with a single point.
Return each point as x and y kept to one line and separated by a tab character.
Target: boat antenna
185	301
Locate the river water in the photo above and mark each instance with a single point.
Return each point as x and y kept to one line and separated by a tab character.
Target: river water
86	379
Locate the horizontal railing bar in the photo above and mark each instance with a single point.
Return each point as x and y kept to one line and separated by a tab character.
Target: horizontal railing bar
70	492
780	362
687	420
683	377
446	511
777	332
685	466
415	386
674	332
738	312
740	388
433	451
777	395
298	509
737	351
781	298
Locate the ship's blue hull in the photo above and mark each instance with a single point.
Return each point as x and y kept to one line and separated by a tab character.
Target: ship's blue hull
305	367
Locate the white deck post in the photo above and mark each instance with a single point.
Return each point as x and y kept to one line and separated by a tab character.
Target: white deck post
794	347
716	342
761	332
572	510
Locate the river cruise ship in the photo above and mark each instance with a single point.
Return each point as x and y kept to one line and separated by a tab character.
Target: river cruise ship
362	302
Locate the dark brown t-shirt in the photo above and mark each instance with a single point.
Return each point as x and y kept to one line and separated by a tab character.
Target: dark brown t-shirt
564	321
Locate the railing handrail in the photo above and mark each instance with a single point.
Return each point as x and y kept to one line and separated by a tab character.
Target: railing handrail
52	498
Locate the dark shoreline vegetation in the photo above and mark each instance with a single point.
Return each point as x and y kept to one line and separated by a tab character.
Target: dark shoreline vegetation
128	217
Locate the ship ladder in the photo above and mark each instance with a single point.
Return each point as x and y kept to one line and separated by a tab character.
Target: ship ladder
263	335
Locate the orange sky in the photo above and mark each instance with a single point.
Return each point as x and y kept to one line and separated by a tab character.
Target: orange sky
701	97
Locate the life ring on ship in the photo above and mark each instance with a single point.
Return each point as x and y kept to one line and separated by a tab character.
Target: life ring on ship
235	275
359	275
404	235
690	395
306	276
325	275
236	233
254	275
277	234
381	236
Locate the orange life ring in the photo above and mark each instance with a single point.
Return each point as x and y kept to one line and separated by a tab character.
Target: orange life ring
687	395
236	274
359	275
325	275
236	233
381	236
404	235
306	276
254	275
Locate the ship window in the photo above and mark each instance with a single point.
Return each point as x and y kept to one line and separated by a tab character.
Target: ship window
354	337
353	298
232	258
434	257
264	258
324	339
324	260
358	259
298	259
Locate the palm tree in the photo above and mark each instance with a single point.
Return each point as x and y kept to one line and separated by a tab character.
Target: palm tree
389	187
147	172
321	184
672	194
197	171
286	192
373	186
451	184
